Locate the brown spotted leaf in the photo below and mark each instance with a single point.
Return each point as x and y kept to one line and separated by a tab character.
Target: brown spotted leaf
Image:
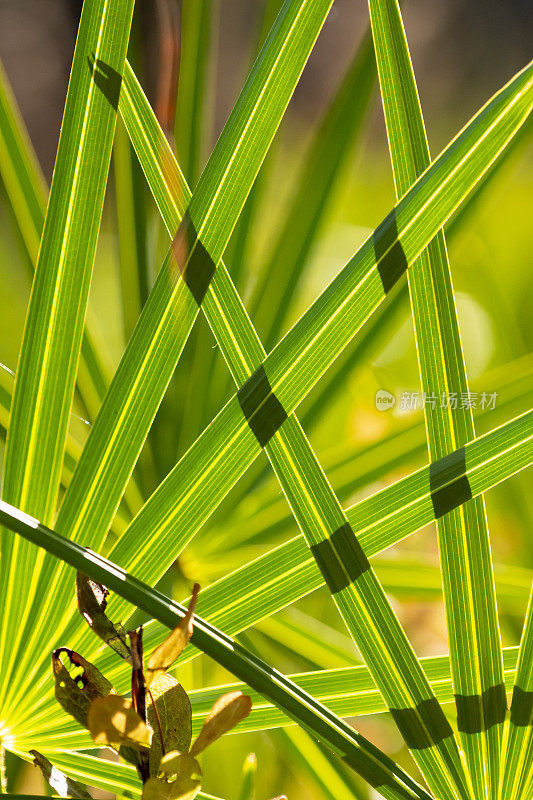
112	721
92	603
60	783
77	687
169	713
169	650
227	712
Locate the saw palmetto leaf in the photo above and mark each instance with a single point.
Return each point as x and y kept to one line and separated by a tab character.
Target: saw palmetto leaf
28	195
51	344
292	460
353	748
121	427
317	358
291	572
468	580
221	454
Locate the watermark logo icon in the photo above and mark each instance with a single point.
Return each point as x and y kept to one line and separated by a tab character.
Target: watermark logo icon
384	400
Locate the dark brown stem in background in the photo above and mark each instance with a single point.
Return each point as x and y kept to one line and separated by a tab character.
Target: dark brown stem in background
167	83
138	687
138	693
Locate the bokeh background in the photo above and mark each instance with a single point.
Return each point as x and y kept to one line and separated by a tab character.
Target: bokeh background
462	53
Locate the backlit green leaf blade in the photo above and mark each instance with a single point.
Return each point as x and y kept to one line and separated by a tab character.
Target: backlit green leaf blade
517	770
346	691
190	126
224	450
20	171
27	192
52	339
147	365
325	162
356	751
318	513
288	572
468	580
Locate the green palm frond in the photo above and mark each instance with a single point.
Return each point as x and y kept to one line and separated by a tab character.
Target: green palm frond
54	324
464	546
360	754
292	537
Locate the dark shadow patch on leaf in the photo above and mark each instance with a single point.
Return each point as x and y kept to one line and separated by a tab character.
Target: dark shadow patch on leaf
106	78
391	261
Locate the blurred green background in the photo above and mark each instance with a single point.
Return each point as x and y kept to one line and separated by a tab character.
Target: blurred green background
462	53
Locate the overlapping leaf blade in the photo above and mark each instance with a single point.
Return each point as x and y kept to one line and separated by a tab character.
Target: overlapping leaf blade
205	474
311	516
358	753
52	339
325	162
27	191
469	593
143	374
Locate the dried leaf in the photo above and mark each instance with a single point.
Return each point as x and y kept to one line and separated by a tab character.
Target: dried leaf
62	785
227	712
92	602
169	650
169	713
76	692
113	721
